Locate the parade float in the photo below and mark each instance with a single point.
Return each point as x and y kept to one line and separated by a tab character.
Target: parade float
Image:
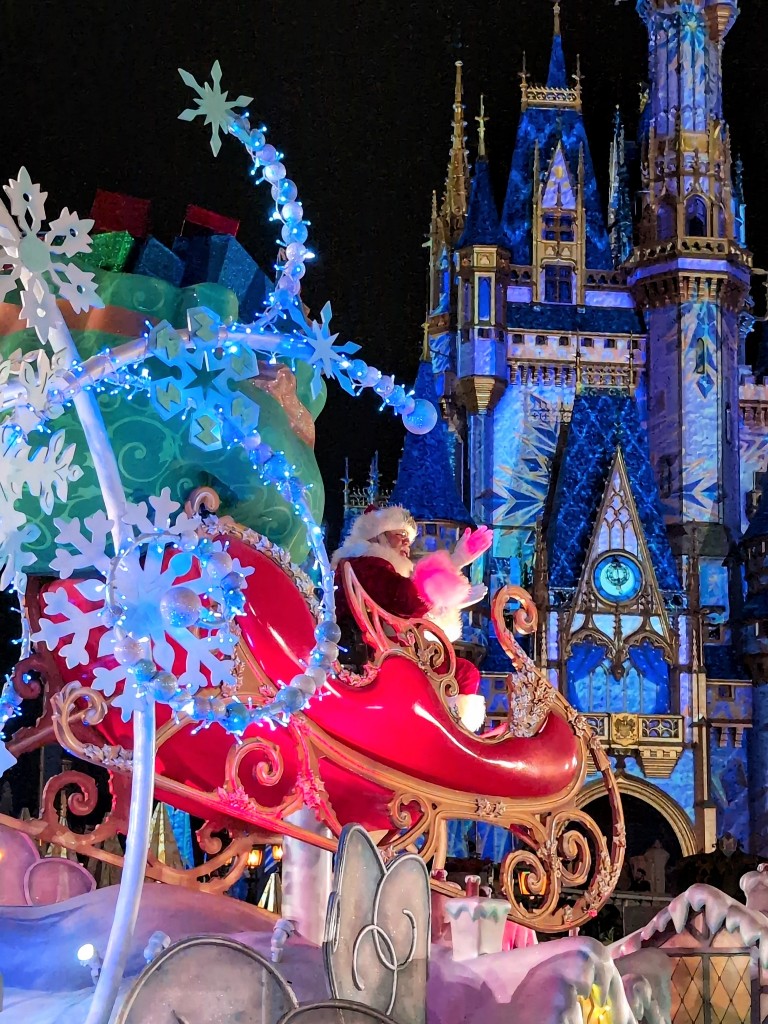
159	492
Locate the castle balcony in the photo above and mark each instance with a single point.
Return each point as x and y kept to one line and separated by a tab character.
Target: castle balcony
753	403
656	741
691	247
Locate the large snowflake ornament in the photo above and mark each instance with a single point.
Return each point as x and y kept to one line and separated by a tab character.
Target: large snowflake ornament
37	259
208	368
167	595
212	104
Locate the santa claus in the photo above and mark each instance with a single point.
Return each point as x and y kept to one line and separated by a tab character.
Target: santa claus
378	549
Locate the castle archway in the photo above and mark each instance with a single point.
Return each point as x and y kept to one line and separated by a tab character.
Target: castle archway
649	814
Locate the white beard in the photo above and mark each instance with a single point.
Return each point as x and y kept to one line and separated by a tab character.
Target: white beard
373	549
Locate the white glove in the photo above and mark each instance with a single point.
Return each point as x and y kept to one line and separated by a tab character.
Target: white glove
475	593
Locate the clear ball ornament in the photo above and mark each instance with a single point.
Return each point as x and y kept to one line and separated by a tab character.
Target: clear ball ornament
164	686
267	154
328	650
328	630
274	172
237	716
231	582
317	674
218	565
292	212
180	607
305	683
397	398
295	269
128	651
218	710
294	233
358	369
385	387
144	670
287	285
292	699
201	708
252	441
422	418
295	251
285	191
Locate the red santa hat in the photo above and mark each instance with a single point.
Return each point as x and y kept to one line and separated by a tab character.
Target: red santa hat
375	521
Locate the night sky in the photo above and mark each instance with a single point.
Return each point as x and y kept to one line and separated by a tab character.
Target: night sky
358	96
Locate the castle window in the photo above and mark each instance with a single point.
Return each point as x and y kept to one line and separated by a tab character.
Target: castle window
609	343
540	339
466	306
564	341
445	273
701	356
696	217
643	686
665	476
517	339
587	343
484	292
665	221
558	284
558	227
722	226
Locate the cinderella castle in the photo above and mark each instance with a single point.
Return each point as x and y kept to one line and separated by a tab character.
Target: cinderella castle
600	415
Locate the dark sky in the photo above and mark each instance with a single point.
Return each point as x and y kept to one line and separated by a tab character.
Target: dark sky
358	96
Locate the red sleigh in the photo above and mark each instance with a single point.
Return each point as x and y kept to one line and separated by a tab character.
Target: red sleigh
381	748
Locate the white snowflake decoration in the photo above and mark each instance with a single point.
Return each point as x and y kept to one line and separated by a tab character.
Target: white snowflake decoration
36	259
161	559
41	383
213	104
46	472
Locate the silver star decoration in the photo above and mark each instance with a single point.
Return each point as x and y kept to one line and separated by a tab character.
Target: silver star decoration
213	104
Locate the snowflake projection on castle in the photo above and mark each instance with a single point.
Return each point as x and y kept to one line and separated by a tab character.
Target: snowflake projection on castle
521	477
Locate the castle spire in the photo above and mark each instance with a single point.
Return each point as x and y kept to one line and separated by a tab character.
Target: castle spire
557	77
481	122
619	199
481	225
455	200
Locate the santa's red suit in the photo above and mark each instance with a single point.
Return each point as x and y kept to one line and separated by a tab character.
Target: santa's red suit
433	588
